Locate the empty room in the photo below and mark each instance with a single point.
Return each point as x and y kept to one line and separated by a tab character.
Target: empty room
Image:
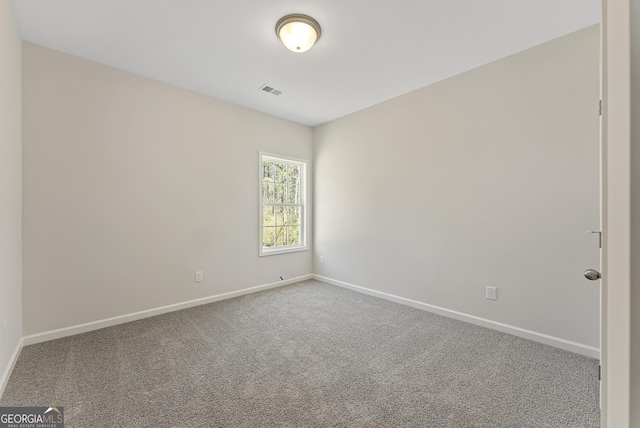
347	214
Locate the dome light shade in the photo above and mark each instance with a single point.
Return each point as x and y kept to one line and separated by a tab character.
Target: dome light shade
298	32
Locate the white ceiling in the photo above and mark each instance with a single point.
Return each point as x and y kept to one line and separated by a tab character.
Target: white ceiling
370	50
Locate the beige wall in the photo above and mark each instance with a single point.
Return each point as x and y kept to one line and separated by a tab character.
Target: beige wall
489	178
131	185
10	186
635	214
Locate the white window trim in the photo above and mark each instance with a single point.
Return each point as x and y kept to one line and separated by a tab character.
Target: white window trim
304	246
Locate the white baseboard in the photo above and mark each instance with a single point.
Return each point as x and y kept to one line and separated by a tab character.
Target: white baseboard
567	345
12	363
96	325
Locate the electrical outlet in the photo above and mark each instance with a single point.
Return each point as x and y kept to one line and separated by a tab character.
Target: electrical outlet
492	293
199	276
321	260
5	331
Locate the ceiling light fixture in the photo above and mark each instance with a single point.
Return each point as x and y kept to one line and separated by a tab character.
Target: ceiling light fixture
298	32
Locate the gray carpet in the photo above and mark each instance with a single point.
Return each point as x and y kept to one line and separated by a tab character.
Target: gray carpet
306	355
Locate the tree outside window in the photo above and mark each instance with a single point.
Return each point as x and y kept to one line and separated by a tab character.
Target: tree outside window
282	204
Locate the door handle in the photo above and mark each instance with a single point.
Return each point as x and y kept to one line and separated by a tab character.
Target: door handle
592	274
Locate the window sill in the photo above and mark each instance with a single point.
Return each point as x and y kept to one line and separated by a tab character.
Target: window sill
269	252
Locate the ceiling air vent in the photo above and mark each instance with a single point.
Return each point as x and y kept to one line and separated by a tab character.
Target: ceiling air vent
271	90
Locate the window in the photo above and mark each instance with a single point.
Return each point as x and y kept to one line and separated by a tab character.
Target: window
282	204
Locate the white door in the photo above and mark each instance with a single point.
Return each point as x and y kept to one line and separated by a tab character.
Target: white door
615	218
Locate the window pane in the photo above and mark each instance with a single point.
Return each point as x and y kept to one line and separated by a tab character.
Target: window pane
293	193
280	172
294	235
294	215
267	170
267	191
281	215
281	236
293	184
279	193
268	236
268	216
293	175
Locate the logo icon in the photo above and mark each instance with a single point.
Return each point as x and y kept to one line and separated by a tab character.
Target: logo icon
32	417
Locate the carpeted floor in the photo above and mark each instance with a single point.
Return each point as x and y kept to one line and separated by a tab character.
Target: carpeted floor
306	355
